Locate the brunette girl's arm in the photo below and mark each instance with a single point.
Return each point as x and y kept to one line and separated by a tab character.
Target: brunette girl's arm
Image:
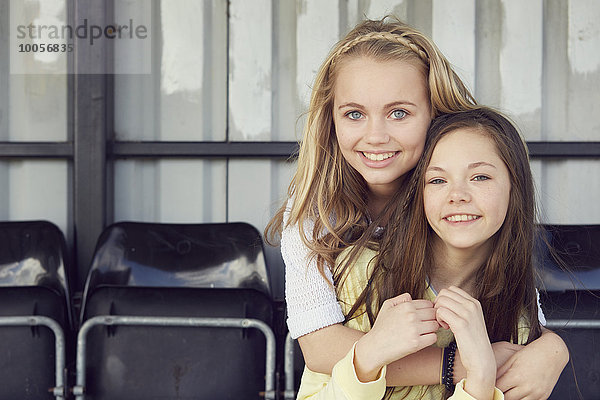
533	371
463	314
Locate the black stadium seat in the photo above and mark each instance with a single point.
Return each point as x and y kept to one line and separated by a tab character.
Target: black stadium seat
157	304
571	302
35	314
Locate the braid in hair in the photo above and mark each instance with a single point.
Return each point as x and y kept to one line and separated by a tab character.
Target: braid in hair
401	38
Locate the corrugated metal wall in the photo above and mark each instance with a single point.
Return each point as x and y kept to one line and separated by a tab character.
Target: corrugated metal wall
242	70
539	61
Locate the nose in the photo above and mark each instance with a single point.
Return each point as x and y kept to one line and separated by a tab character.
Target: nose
377	132
459	193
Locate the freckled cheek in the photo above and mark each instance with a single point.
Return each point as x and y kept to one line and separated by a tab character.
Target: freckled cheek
346	136
343	139
429	204
503	208
497	202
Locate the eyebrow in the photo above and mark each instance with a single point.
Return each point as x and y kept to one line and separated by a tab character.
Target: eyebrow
389	105
480	164
470	166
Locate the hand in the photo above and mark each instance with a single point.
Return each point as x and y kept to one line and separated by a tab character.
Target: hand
403	326
532	372
460	312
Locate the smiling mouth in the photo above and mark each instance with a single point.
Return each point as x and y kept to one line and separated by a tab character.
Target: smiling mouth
378	156
462	218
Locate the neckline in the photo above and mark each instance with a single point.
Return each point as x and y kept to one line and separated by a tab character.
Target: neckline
431	286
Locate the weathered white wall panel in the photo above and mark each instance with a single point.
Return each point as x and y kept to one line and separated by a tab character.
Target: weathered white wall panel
181	70
4	77
182	53
521	64
453	23
134	57
571	191
584	62
39	190
170	191
584	36
379	8
556	71
285	105
256	189
317	30
183	99
136	107
250	70
135	191
185	96
571	188
192	190
37	109
250	188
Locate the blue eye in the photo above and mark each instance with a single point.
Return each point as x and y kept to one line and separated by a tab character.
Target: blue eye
354	115
399	114
481	178
437	181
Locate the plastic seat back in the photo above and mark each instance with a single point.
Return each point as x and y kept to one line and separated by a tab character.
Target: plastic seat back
33	282
578	247
571	302
228	255
209	271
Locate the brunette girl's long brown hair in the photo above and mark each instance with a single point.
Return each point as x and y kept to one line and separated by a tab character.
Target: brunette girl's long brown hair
505	283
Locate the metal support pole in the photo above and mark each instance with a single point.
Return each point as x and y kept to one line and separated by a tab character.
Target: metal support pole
573	324
288	362
79	389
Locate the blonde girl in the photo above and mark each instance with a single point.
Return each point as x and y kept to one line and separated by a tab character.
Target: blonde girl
372	102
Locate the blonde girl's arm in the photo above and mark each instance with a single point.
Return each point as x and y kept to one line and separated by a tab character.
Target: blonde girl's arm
343	384
310	299
402	327
322	349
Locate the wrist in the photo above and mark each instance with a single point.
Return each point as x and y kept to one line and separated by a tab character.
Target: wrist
483	378
481	381
481	390
366	364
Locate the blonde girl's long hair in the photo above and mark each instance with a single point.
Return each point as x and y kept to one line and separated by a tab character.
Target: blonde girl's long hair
325	189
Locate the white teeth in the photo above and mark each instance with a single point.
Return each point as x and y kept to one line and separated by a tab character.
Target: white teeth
379	156
464	217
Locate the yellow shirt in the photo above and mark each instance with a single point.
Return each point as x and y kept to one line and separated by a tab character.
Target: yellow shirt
343	383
